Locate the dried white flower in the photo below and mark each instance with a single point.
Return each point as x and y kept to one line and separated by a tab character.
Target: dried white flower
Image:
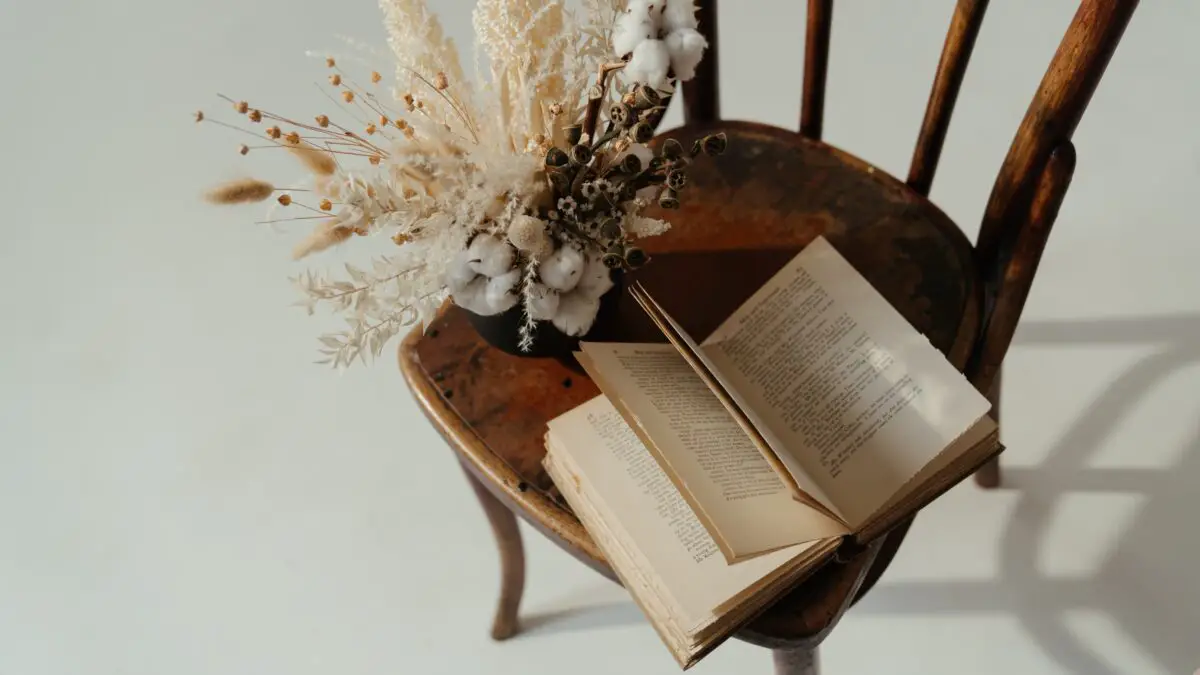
529	235
641	226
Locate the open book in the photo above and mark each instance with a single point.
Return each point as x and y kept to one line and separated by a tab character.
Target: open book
815	413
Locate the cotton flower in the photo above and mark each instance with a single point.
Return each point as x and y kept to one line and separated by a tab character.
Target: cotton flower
500	293
473	297
685	47
541	302
490	256
596	279
649	64
576	314
659	36
458	272
679	14
562	269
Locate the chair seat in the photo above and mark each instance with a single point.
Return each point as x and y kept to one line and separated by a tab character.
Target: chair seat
744	215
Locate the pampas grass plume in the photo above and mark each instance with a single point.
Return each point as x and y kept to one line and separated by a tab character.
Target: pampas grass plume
242	191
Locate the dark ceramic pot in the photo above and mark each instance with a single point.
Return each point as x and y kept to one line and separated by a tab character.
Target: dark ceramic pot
503	331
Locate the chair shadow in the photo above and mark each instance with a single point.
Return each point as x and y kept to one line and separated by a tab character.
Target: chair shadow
1147	583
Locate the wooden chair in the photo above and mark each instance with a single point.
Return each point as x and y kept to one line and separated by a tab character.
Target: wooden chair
744	216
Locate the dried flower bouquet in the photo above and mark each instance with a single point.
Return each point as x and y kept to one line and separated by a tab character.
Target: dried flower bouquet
522	192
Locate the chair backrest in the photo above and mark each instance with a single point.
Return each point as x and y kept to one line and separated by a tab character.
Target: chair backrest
1035	174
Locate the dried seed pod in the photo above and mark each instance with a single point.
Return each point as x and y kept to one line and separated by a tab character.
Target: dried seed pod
611	229
629	99
621	115
652	116
656	163
614	257
647	97
715	144
574	133
580	155
641	132
697	147
631	164
559	181
556	157
669	199
636	257
676	179
672	149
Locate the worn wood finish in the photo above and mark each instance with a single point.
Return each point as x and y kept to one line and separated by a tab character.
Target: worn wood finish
1067	87
988	475
795	662
746	216
702	94
816	67
512	559
956	54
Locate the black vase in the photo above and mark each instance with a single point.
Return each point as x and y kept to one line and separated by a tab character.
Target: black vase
503	330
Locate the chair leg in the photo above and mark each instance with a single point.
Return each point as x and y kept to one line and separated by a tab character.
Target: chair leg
795	661
512	559
988	475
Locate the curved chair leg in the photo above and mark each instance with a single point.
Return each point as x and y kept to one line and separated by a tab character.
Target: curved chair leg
988	475
512	559
795	661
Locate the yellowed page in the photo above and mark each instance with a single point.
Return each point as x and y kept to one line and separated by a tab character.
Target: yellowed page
802	486
627	486
733	489
854	394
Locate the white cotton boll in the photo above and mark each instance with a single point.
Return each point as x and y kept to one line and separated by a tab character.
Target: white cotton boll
679	14
490	256
649	64
541	303
576	314
629	31
458	273
597	278
500	294
561	270
686	47
473	297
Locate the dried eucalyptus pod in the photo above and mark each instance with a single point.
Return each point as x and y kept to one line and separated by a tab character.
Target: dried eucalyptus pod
631	164
646	97
641	132
621	115
669	199
611	229
614	258
559	181
556	157
574	133
635	257
676	179
580	154
715	144
672	149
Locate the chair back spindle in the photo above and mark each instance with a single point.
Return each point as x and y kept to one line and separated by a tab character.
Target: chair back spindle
701	94
952	66
816	67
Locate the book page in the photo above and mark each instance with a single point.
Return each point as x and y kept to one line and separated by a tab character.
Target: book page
857	396
802	486
635	494
725	477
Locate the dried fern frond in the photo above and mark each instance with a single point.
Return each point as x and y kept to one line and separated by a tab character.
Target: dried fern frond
241	191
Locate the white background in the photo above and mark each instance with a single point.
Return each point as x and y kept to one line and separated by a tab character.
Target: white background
182	492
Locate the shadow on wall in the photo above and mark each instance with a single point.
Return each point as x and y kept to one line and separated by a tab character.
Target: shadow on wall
1147	585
